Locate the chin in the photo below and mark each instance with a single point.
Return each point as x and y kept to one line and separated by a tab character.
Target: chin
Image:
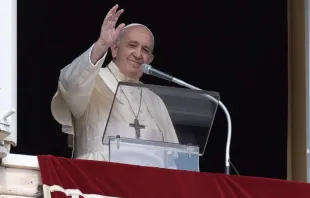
135	72
135	69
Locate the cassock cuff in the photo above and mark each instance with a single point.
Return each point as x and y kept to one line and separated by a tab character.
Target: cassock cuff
99	62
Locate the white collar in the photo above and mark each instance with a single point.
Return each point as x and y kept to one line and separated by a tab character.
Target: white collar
111	75
118	74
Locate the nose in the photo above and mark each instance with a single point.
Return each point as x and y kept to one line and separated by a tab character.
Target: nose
138	53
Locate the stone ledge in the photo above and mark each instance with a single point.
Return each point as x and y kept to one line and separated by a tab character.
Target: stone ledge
20	177
20	161
19	182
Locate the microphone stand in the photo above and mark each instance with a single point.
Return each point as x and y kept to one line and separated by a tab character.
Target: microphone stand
227	156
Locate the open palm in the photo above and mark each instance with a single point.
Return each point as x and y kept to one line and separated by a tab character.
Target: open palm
109	33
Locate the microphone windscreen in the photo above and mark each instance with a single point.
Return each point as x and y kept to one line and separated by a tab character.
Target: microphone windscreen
146	68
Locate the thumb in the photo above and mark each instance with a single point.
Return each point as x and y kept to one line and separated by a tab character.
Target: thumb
119	28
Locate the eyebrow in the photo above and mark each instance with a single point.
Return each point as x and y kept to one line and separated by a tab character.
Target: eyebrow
136	42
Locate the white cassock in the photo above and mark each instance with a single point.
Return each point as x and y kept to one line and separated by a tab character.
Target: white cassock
82	105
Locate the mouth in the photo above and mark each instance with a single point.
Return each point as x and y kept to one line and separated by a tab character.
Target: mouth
136	63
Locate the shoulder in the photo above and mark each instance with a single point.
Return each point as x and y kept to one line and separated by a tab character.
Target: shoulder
104	83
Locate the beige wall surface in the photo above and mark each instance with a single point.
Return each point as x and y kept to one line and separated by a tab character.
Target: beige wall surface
296	163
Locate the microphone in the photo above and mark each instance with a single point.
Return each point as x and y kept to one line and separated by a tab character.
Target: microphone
148	69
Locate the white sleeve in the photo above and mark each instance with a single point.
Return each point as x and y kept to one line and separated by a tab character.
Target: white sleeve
77	80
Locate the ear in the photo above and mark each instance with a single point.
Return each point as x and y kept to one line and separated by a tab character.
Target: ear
150	59
114	50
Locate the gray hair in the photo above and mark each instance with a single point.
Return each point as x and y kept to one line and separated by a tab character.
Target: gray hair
121	34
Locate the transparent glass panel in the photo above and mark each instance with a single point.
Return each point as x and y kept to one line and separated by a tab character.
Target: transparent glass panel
153	154
162	114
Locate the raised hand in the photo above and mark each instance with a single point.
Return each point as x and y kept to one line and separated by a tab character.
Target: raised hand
109	33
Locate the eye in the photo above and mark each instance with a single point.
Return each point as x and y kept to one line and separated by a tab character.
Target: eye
132	45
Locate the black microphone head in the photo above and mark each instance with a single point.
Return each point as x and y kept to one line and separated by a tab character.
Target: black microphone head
146	68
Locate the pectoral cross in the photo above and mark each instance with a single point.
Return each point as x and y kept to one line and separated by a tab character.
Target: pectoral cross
137	127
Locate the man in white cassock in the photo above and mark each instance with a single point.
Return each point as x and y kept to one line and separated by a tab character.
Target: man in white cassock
85	95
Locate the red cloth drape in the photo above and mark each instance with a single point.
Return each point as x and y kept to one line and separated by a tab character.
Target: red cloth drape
121	180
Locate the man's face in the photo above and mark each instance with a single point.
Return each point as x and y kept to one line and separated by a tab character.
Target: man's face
134	49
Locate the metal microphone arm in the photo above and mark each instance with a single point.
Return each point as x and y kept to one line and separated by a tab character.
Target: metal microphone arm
148	69
227	156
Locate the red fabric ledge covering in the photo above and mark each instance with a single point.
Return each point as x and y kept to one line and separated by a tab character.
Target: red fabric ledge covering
121	180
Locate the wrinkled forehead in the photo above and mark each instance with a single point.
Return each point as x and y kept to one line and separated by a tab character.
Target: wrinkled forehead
138	25
137	32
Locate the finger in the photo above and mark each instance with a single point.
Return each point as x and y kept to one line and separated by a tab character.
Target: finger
110	14
113	9
119	13
110	23
107	19
119	28
116	17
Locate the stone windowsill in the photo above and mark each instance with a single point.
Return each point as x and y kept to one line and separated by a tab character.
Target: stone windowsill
19	176
21	161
